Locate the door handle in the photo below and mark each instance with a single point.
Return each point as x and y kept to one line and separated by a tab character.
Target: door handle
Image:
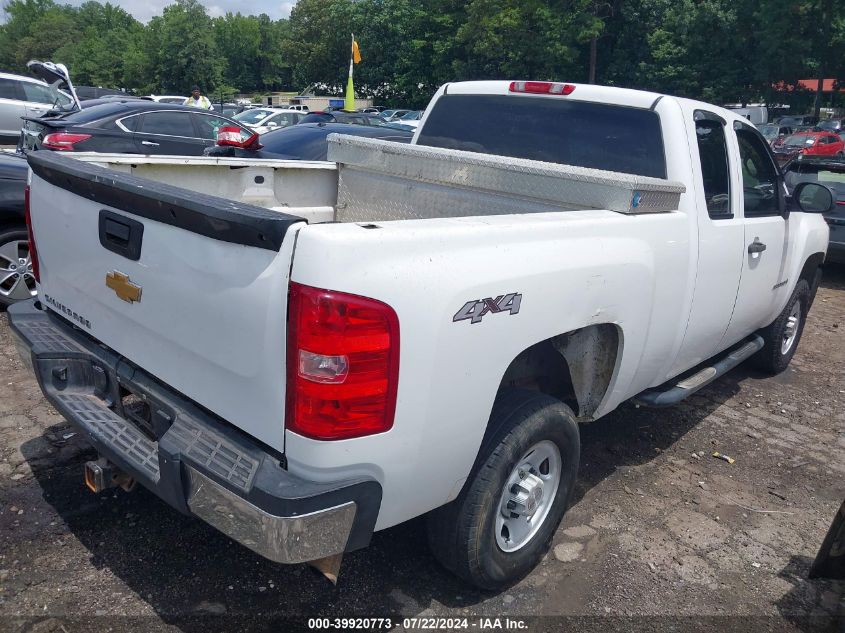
150	143
756	246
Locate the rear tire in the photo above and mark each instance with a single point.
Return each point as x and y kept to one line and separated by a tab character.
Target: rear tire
783	335
14	260
475	536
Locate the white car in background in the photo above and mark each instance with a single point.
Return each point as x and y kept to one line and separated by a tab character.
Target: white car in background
177	99
22	96
264	120
412	119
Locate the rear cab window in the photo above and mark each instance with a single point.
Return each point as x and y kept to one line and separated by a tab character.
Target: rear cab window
553	130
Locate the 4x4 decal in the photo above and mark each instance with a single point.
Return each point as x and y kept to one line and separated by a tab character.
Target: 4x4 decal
475	310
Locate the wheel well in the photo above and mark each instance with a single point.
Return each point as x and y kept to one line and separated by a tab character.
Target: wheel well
18	225
808	273
811	273
575	367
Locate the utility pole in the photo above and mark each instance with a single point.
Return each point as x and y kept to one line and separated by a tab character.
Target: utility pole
603	11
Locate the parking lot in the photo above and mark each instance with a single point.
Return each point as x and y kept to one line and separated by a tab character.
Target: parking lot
658	526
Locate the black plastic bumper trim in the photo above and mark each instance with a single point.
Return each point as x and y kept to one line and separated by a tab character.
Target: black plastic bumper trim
194	437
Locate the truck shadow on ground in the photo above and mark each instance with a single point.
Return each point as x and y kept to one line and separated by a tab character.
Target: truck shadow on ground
834	277
815	605
183	568
188	572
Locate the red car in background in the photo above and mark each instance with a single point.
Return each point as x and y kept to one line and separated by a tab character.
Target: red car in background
817	143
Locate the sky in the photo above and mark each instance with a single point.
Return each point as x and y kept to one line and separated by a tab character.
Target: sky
143	10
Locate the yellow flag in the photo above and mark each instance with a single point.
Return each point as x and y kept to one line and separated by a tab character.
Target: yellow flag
356	54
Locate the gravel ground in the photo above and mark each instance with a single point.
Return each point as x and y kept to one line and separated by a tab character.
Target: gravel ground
660	535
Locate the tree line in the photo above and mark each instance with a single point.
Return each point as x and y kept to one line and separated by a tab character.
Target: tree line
716	50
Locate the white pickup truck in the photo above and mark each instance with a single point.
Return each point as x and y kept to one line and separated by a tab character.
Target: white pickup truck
301	354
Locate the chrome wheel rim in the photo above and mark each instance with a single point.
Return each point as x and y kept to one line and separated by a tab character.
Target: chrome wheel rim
528	496
790	332
16	279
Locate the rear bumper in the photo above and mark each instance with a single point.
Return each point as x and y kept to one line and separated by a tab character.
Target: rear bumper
198	464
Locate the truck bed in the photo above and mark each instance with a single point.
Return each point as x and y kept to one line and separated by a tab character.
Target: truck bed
369	180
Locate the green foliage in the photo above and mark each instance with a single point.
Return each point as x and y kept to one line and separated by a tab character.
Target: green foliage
716	50
187	46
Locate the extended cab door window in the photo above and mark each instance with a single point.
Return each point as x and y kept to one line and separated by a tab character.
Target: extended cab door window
715	167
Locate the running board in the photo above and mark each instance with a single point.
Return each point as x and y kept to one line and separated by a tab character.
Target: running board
672	393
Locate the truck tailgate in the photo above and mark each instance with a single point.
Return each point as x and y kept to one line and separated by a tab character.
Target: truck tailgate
189	287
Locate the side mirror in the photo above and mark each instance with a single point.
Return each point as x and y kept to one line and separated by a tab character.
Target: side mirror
812	197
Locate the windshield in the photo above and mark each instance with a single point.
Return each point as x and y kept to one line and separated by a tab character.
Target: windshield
554	130
412	116
769	131
830	172
830	124
796	140
251	117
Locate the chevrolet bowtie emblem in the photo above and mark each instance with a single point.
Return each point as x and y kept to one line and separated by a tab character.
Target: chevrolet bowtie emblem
122	287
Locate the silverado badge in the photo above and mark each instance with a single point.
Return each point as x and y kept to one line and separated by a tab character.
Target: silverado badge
122	287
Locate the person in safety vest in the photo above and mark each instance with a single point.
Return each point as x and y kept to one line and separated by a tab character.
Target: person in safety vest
197	100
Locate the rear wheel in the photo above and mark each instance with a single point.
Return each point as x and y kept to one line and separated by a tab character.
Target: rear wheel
16	279
781	337
502	523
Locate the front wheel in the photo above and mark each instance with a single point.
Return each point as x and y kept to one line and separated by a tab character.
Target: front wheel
781	337
502	523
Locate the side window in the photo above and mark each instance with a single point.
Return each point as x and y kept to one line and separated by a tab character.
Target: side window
167	123
10	89
208	125
285	119
37	93
759	174
130	122
715	169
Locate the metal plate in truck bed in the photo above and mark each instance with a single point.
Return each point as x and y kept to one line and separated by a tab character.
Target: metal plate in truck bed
381	180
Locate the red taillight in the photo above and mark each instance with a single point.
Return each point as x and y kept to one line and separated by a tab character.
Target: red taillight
63	141
33	253
343	364
231	136
542	87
